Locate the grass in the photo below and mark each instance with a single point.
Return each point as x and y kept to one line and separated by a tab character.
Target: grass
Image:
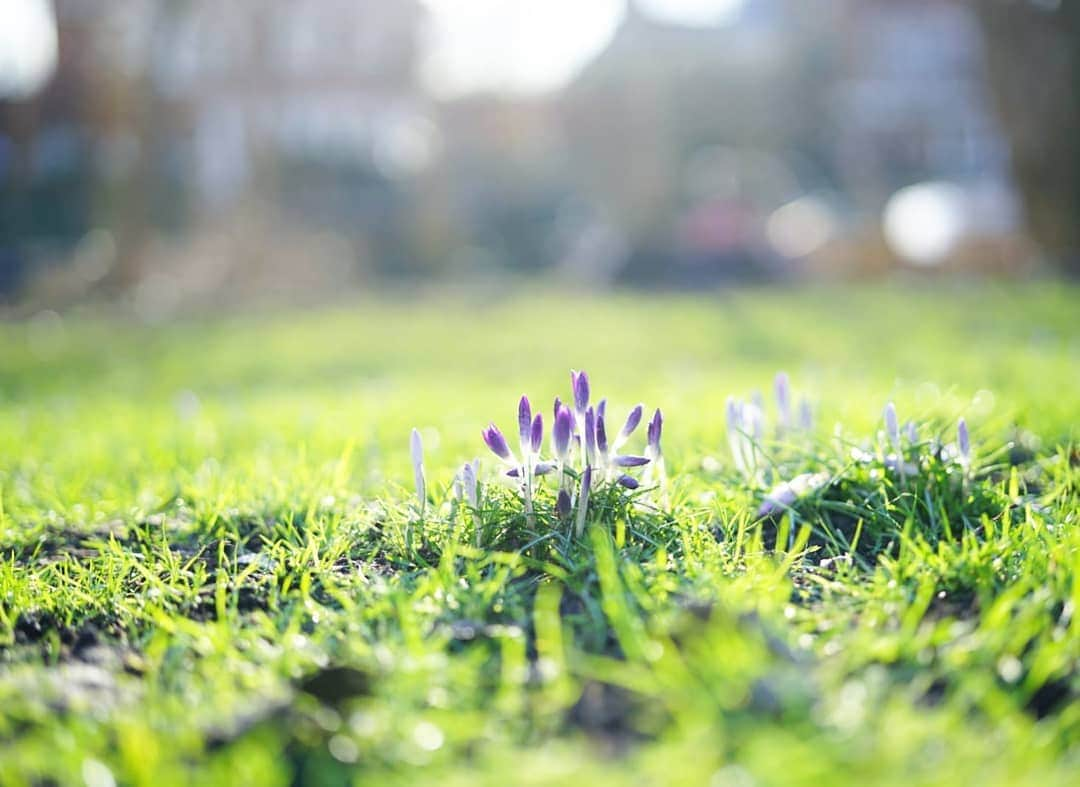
212	570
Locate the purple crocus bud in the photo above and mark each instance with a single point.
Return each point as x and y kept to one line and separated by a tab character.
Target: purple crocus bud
416	448
892	426
806	415
555	409
601	435
513	472
468	481
543	468
734	413
753	418
736	439
656	427
783	398
631	424
562	504
628	481
601	409
630	461
912	432
537	437
494	440
590	436
525	423
583	499
560	432
580	382
782	496
963	441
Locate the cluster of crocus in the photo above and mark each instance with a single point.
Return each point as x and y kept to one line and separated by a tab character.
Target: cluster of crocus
903	441
582	455
746	423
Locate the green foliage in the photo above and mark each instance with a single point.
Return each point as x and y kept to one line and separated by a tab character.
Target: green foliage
213	570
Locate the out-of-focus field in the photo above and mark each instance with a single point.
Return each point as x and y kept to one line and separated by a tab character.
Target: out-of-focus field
202	575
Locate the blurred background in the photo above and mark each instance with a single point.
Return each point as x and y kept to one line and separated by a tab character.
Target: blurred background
176	154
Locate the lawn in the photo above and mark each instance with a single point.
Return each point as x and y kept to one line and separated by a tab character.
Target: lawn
214	568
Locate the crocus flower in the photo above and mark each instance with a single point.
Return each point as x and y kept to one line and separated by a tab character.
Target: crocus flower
583	500
757	400
465	482
963	441
892	427
806	415
746	428
897	463
753	419
912	432
540	468
632	421
628	481
783	496
632	461
560	432
580	383
656	427
783	399
469	473
736	438
562	504
601	438
733	411
494	440
590	437
601	409
525	424
416	448
537	434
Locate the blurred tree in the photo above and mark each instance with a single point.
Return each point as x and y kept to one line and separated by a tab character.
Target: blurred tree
1033	56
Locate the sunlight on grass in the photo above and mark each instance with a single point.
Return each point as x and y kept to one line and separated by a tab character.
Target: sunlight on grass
214	566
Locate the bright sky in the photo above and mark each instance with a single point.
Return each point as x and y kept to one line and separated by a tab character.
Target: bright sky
27	46
535	45
514	45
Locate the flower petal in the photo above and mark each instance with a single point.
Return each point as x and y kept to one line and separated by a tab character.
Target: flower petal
494	440
590	437
580	382
632	422
524	422
537	437
560	432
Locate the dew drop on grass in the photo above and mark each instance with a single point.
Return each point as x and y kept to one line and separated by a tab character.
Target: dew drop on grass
366	725
732	776
1010	669
344	749
427	736
97	774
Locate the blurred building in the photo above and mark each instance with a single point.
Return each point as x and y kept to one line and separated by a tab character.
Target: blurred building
55	146
178	114
501	182
302	80
690	140
231	135
686	136
910	100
